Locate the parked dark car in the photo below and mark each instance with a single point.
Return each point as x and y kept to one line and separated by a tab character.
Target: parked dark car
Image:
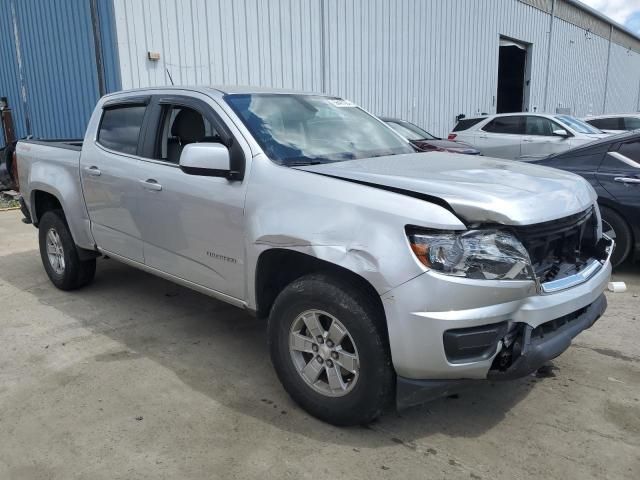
424	141
612	166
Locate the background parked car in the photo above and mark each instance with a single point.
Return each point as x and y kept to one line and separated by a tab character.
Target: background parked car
524	136
612	166
425	141
617	123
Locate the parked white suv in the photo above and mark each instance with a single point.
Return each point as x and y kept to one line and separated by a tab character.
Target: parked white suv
524	136
615	123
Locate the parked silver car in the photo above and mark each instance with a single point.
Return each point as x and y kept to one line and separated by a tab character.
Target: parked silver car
524	136
382	272
615	123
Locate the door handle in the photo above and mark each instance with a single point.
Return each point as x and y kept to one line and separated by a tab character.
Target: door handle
482	136
93	171
627	180
151	184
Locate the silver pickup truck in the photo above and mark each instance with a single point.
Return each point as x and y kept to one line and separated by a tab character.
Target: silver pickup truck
384	273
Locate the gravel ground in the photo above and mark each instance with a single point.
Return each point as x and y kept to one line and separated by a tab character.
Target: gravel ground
134	377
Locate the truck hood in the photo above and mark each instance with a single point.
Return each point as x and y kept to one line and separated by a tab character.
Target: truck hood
478	189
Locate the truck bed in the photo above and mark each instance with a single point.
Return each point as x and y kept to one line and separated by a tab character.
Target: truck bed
69	144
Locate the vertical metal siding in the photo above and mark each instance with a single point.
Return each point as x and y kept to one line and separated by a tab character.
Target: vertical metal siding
624	82
425	61
258	42
58	54
428	61
577	70
10	86
56	46
109	45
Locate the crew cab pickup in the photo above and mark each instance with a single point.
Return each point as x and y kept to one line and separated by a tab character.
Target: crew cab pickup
384	273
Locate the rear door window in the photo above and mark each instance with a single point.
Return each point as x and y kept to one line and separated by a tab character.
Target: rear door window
514	125
120	128
631	150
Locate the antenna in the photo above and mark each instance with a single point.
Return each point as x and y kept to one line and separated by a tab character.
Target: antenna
167	70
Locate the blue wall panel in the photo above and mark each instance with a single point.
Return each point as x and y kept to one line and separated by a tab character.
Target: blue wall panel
56	44
9	79
109	46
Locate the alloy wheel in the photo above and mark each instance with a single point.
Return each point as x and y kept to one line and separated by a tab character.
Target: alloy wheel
55	252
324	353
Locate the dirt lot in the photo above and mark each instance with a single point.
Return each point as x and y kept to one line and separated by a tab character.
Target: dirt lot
134	377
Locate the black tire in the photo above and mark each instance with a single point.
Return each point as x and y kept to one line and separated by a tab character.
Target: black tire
359	313
622	234
75	273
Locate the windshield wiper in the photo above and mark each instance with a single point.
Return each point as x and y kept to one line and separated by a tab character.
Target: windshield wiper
303	164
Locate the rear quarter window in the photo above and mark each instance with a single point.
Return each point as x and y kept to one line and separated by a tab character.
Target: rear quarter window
631	123
120	128
466	124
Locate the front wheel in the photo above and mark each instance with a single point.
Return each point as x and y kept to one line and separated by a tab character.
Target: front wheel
60	255
329	348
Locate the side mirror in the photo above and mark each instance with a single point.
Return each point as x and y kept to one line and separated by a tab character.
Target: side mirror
206	159
561	132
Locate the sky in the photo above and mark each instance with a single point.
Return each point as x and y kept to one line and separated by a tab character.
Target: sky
625	12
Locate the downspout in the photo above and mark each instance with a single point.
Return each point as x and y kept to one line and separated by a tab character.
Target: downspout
97	46
606	78
546	83
323	48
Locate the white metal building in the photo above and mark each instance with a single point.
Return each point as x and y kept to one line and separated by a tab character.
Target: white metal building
422	60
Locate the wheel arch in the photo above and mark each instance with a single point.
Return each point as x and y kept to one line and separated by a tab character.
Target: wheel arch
278	267
43	201
634	252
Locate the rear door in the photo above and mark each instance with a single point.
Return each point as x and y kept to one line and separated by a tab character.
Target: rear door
501	137
109	169
539	141
619	173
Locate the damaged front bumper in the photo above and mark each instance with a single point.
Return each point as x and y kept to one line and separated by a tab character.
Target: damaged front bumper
448	331
536	351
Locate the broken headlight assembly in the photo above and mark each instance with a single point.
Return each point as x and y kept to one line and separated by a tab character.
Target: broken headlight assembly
477	254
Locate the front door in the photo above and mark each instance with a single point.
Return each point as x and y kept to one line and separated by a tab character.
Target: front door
539	140
193	226
109	171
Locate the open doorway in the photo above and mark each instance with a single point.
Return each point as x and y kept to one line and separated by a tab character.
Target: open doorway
513	85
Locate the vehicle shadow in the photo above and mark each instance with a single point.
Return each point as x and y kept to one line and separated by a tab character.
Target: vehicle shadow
221	351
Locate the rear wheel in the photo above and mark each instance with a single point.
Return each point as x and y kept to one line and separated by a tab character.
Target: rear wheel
615	227
60	255
330	351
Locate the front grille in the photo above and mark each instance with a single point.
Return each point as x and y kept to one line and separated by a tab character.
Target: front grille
554	325
569	240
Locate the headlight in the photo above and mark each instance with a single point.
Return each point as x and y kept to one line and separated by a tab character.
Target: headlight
481	254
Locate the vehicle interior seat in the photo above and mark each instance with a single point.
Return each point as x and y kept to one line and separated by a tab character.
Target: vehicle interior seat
188	127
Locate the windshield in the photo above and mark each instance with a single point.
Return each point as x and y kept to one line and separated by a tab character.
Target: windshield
410	131
577	125
306	129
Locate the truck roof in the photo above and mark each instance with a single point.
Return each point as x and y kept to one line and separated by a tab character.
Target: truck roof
221	89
